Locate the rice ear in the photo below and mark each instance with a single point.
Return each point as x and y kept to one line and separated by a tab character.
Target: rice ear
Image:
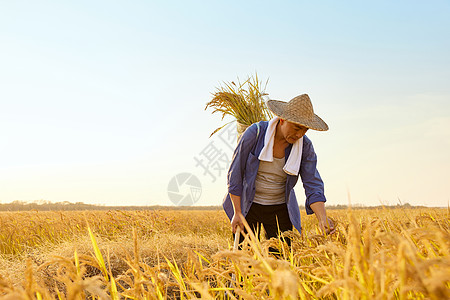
219	128
243	101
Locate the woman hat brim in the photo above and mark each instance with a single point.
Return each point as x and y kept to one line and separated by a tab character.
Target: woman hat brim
298	110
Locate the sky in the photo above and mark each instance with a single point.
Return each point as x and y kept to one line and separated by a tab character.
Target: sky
103	102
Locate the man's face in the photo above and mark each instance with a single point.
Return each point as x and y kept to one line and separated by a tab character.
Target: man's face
292	132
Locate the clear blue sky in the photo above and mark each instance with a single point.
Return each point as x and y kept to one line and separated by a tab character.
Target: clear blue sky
103	101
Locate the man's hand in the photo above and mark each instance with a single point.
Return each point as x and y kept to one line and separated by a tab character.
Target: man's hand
238	220
327	226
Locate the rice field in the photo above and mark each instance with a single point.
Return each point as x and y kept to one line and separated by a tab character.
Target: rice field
375	254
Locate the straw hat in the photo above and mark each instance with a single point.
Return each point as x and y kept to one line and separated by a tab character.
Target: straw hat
299	110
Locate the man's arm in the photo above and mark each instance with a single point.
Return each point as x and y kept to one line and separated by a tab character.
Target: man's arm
314	188
236	174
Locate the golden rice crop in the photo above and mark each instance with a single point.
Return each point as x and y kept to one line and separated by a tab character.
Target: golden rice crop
375	254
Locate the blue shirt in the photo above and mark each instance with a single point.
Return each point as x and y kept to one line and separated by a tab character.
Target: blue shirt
244	167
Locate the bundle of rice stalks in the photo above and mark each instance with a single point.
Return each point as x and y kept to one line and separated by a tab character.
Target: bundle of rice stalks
243	101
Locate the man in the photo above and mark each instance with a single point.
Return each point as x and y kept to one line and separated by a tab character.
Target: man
269	158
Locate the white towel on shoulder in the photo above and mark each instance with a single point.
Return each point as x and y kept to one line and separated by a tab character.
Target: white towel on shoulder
292	165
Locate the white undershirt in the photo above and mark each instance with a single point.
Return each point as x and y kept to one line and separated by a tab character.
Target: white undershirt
270	184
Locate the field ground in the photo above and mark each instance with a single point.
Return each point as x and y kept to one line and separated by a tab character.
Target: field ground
375	254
